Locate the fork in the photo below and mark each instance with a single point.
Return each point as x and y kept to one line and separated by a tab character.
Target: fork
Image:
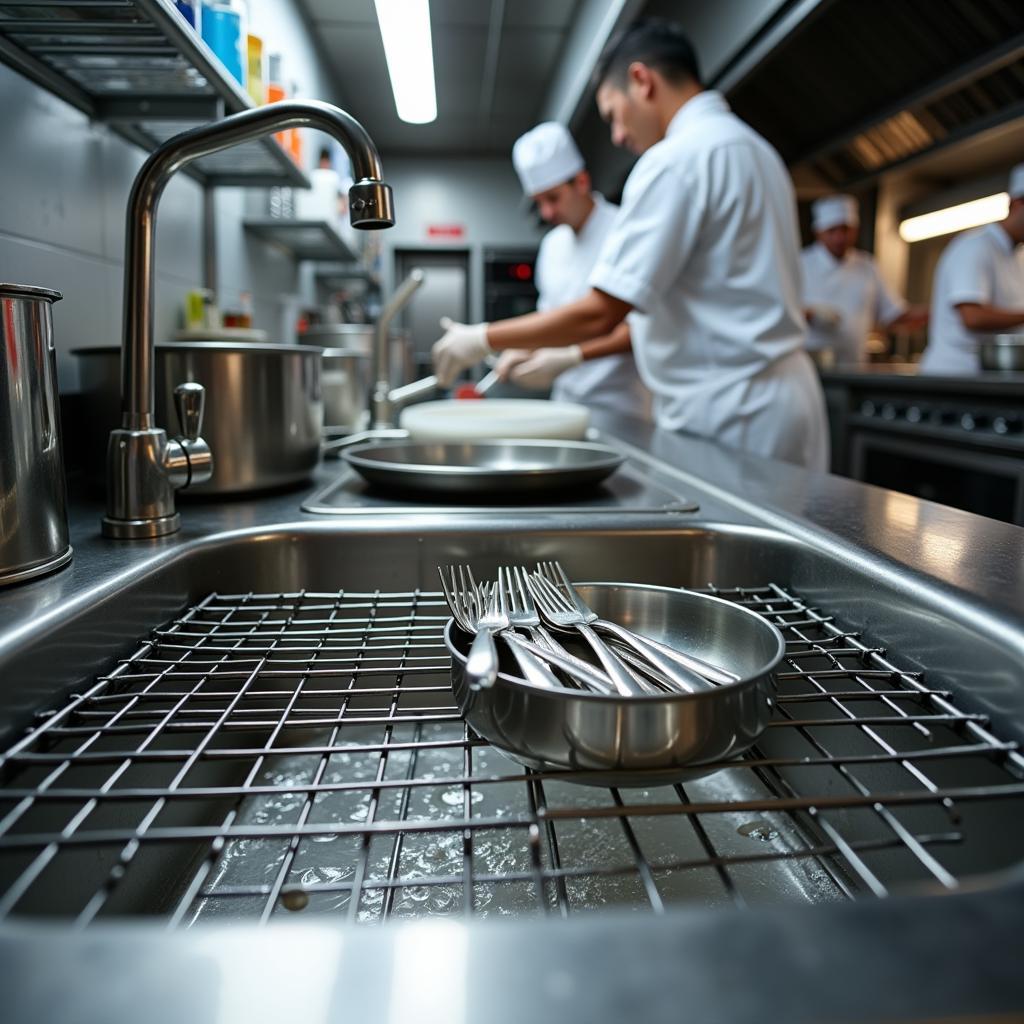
483	609
522	614
690	673
558	612
457	601
478	611
679	680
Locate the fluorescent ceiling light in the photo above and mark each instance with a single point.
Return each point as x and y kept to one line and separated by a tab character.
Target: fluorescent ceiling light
405	29
956	218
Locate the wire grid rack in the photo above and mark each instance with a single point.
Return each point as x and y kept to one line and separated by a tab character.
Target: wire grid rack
263	755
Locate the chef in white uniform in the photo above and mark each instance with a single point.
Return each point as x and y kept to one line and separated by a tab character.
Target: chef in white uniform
600	372
844	294
706	244
978	289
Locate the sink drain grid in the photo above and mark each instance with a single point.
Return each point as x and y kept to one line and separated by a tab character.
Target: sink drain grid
266	754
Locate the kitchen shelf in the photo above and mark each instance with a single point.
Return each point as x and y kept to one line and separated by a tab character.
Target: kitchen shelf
340	275
306	239
138	67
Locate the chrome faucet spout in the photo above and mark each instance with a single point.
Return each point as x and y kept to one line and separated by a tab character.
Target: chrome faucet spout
371	206
142	465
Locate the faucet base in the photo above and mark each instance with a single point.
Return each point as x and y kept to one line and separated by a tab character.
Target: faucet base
141	529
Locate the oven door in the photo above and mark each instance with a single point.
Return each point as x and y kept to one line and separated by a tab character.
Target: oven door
987	483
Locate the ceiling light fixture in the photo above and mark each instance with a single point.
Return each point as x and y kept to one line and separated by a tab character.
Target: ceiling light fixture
955	218
405	29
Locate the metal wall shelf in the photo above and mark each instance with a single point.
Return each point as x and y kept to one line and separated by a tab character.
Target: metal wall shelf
306	239
343	275
138	67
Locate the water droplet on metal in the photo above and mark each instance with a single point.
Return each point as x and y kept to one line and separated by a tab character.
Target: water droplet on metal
759	830
294	897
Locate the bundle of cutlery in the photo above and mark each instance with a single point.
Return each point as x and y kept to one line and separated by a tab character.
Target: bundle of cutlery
532	612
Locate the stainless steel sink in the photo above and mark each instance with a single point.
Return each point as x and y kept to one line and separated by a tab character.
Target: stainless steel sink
285	741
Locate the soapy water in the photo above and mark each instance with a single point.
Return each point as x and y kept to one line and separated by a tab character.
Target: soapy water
584	846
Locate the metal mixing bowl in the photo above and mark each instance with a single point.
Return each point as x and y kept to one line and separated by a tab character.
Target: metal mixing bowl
644	740
1003	352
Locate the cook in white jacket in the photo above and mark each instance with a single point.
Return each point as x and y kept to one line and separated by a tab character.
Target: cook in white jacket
600	372
844	294
706	245
978	289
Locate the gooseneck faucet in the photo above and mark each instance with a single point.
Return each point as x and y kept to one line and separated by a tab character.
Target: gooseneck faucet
144	467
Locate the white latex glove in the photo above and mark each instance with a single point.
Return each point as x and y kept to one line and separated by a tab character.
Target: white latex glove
826	318
509	360
544	365
462	346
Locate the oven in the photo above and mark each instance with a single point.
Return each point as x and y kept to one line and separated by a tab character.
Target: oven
966	453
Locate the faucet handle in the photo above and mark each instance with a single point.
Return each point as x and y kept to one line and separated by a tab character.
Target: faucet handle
189	401
188	459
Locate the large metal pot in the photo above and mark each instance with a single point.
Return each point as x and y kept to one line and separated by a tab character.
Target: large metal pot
33	506
1003	352
264	410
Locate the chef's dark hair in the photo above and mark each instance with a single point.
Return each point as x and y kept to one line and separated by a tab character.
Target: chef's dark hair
656	42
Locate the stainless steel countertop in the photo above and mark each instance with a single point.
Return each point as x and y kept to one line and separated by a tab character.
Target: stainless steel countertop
902	958
978	558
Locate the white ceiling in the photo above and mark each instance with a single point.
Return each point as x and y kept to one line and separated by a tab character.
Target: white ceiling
482	106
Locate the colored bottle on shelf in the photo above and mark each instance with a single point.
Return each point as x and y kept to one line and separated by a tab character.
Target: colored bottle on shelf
191	11
255	80
245	309
223	32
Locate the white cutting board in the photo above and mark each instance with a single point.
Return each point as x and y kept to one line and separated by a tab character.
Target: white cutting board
478	419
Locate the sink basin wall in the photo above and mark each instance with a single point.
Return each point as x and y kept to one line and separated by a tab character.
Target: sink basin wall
980	654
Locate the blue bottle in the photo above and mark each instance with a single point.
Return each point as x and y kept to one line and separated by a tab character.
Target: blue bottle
222	33
190	11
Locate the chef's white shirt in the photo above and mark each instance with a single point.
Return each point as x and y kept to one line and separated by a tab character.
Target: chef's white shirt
852	286
706	244
983	266
564	263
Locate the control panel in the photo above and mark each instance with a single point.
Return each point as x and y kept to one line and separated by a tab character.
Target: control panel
955	417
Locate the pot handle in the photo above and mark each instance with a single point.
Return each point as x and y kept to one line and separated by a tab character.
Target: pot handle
407	392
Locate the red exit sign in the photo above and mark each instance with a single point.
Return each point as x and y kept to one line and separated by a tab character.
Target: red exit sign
446	231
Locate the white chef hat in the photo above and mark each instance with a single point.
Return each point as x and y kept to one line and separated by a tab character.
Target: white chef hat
546	156
830	211
1016	185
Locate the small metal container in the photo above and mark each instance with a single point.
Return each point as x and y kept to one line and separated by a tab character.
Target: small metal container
1003	352
346	387
33	500
642	740
264	408
361	338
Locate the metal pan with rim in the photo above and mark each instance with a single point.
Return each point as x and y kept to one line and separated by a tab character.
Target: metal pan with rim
637	740
475	467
